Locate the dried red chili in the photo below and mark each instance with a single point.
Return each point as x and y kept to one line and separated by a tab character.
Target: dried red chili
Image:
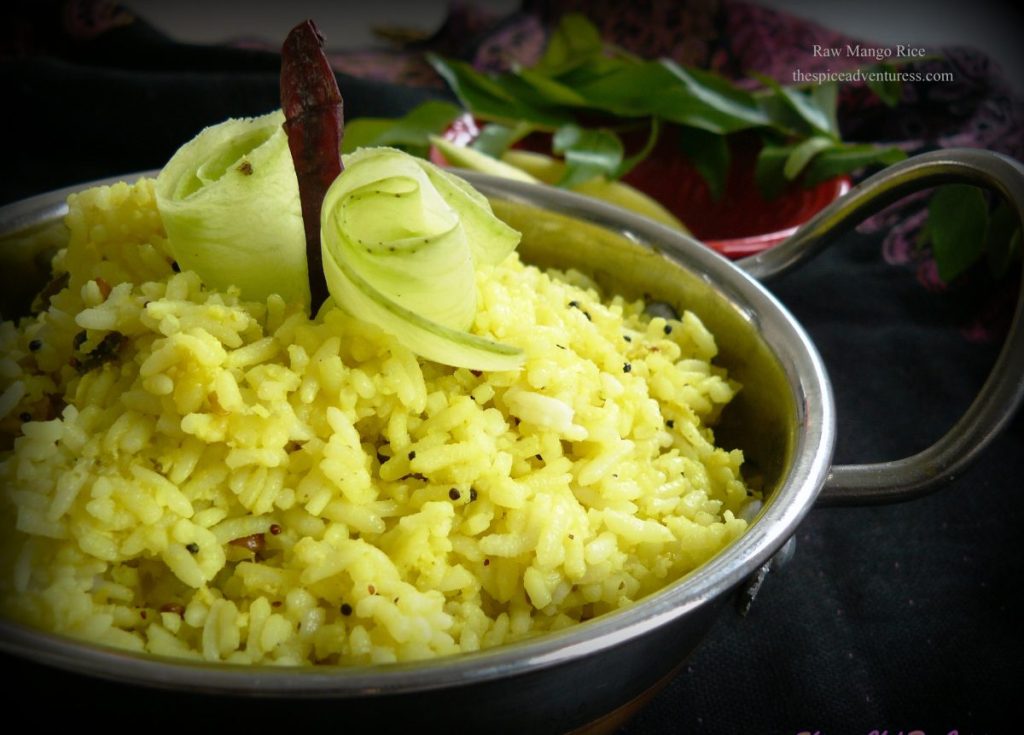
313	113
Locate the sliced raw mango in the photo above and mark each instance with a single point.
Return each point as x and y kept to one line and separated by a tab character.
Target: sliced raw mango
549	170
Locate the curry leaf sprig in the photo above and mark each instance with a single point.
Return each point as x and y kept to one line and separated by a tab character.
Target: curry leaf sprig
580	79
962	230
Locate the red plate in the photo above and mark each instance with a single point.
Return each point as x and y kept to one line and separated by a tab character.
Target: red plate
741	223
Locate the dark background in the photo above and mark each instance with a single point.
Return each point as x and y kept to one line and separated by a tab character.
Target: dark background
892	618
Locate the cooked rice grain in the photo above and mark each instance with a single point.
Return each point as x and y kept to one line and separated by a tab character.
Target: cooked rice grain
234	482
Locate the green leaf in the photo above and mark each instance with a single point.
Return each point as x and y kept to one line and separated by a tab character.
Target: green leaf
709	154
826	98
957	225
409	133
889	90
778	160
594	70
588	153
575	41
769	170
579	74
813	110
665	90
802	154
363	132
810	109
923	240
495	139
844	158
1003	239
628	164
626	89
492	97
464	78
784	120
718	93
546	91
1016	245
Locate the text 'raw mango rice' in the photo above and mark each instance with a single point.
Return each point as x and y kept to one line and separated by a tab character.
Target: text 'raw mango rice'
458	451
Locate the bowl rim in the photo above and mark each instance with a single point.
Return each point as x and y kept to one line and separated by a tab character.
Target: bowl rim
776	522
742	247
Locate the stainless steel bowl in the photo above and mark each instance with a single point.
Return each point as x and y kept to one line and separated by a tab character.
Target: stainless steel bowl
784	419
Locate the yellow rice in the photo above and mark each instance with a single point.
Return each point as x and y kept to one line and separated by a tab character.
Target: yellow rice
238	483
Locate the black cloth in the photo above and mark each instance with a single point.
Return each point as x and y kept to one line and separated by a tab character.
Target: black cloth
126	100
889	618
901	617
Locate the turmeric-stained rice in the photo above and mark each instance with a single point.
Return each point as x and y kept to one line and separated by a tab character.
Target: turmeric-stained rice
200	477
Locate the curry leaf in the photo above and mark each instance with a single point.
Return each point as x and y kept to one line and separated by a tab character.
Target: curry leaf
580	78
813	109
538	93
958	227
684	109
777	161
844	158
628	164
709	154
654	89
826	98
365	131
769	170
802	154
593	70
1003	239
784	119
491	97
588	153
572	43
1016	246
627	89
719	94
810	109
495	139
550	91
410	133
883	80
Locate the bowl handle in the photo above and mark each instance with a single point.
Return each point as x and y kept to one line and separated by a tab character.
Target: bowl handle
1003	390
